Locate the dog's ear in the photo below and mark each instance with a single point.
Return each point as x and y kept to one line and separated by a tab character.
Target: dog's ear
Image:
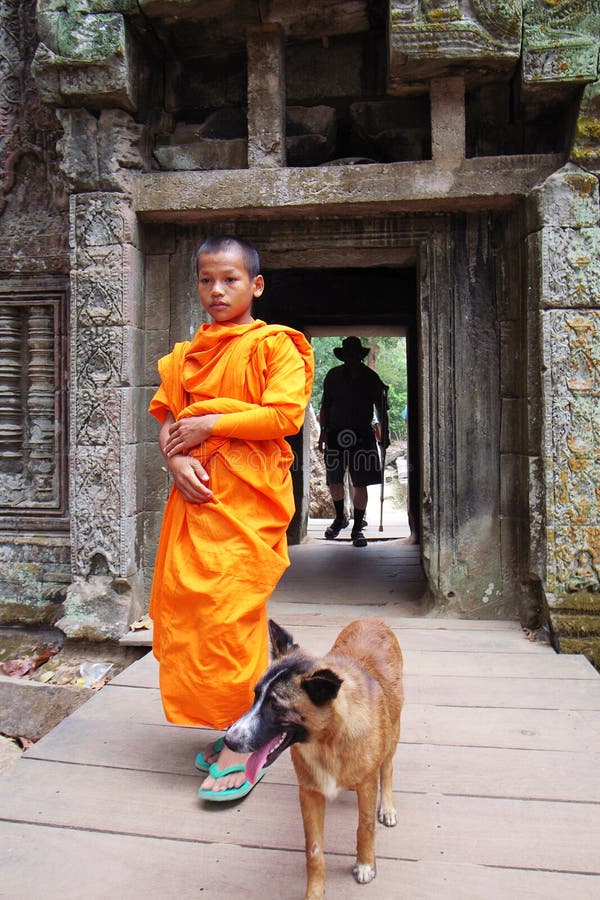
282	641
322	686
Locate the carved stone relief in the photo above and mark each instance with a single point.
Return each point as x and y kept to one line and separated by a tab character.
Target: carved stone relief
429	37
571	349
32	196
586	143
85	57
561	39
104	307
570	267
32	374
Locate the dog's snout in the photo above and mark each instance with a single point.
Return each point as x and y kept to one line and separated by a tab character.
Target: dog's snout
238	736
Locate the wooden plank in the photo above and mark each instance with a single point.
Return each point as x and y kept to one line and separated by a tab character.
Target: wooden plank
418	768
134	867
527	729
521	729
144	673
340	614
523	693
497	832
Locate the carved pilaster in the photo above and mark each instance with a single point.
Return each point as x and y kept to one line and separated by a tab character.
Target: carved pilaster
104	335
563	277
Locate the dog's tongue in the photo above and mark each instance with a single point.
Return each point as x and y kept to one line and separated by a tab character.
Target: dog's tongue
257	759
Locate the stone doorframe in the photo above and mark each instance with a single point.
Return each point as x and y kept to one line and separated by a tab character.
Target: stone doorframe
118	332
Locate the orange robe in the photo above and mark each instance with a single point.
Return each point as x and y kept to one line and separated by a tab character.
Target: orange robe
218	562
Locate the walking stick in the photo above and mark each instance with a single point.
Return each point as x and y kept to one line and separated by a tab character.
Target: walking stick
384	430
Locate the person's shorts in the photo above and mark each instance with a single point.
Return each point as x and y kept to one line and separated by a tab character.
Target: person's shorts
356	453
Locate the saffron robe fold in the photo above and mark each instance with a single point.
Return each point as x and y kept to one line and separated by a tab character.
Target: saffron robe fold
218	562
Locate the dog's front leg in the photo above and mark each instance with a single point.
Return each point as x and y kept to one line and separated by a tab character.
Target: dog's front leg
364	870
312	804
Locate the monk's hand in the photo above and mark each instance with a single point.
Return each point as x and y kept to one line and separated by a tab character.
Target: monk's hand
189	432
191	478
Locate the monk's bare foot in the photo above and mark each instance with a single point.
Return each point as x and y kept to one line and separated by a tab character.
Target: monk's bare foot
210	754
226	759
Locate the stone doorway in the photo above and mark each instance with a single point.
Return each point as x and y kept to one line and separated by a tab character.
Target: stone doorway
453	282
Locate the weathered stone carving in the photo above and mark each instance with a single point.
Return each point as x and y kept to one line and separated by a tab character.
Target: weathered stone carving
561	39
570	267
586	144
101	228
99	153
571	348
429	38
86	56
32	197
31	423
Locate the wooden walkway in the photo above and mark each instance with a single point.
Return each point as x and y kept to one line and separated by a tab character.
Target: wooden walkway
497	782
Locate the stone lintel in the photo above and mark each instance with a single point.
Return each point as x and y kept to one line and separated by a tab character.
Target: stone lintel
266	96
482	183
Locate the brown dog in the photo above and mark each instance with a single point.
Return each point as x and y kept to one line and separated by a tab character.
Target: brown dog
341	714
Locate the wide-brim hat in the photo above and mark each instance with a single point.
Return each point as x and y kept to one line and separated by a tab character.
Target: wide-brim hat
350	344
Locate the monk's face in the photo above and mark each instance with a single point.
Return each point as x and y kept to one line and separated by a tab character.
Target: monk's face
225	288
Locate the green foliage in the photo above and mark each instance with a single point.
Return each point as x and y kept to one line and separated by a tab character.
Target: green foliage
390	365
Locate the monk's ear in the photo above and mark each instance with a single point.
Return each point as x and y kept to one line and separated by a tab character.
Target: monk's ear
282	641
322	686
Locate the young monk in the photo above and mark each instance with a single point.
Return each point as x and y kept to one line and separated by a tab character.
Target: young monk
225	403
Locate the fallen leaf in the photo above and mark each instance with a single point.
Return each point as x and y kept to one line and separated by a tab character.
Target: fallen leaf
17	668
141	624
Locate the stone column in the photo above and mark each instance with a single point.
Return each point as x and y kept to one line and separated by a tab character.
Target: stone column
105	349
564	277
266	96
448	127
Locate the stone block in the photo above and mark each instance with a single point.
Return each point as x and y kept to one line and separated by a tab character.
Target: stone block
430	39
78	149
99	608
100	224
90	60
560	42
156	478
123	146
537	517
157	306
513	430
266	96
568	266
568	198
204	153
156	345
30	709
220	142
585	151
511	359
310	134
513	469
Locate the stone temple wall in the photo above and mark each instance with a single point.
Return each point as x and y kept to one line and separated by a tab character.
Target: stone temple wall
460	138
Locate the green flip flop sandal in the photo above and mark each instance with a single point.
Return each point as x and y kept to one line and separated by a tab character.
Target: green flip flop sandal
200	761
231	793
